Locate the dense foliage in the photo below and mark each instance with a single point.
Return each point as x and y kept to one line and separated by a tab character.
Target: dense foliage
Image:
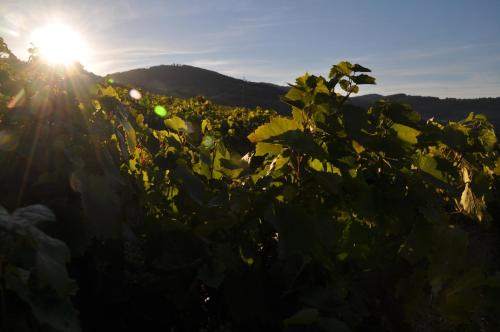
181	215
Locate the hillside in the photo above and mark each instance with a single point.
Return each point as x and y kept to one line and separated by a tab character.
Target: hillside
444	109
187	81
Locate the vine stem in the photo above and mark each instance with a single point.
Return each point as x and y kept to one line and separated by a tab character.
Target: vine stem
346	96
299	162
212	166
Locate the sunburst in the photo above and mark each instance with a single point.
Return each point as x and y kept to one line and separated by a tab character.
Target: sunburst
59	44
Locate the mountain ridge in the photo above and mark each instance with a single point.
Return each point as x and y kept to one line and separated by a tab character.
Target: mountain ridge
186	81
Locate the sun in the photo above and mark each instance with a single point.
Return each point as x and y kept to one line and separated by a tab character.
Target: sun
59	44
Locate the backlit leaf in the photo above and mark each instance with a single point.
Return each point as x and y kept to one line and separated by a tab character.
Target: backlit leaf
275	127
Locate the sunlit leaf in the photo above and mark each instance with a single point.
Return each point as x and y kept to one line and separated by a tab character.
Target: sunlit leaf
176	123
275	127
262	148
405	133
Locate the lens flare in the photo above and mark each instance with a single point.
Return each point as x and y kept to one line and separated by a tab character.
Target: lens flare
18	100
135	94
160	111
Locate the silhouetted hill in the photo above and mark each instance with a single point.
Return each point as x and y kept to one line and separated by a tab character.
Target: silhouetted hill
443	109
187	81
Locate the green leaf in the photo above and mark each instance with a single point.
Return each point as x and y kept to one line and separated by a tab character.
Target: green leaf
231	168
488	139
176	123
497	167
343	68
295	97
406	134
363	79
455	136
400	113
472	205
43	282
38	216
190	184
299	115
208	142
206	125
247	260
101	206
321	92
299	141
345	85
109	91
357	147
275	127
130	134
437	167
360	69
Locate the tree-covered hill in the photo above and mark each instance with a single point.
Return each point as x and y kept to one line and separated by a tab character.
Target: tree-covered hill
186	82
441	108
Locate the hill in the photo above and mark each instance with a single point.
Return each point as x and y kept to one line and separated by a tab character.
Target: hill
185	81
444	109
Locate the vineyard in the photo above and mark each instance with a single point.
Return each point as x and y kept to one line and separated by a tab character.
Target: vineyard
122	210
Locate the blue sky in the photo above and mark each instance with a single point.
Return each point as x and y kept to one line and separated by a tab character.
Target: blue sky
444	48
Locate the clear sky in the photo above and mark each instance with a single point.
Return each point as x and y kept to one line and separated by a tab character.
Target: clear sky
444	48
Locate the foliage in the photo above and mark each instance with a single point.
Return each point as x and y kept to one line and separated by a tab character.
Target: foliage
33	272
210	218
